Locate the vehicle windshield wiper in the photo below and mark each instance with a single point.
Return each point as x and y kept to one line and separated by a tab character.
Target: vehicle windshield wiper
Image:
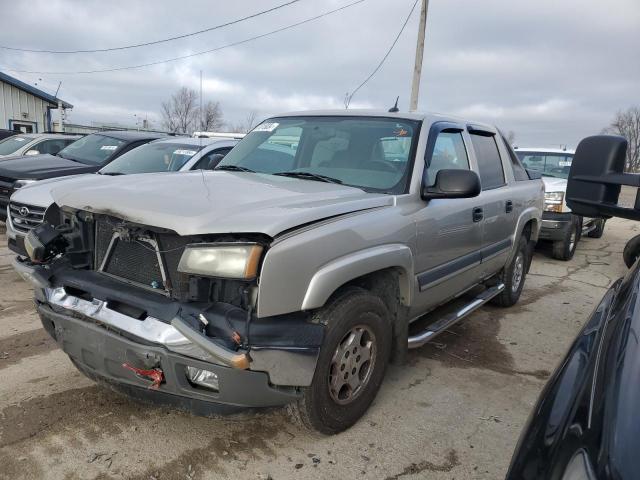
112	174
234	168
309	176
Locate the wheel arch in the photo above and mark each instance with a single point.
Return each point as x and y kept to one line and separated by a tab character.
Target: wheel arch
362	267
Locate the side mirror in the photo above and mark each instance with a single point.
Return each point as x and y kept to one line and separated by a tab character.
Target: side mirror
32	152
214	161
596	176
453	184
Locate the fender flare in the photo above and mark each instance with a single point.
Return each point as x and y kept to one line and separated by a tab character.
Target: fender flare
349	267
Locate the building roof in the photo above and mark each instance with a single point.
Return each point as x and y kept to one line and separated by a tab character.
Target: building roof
32	90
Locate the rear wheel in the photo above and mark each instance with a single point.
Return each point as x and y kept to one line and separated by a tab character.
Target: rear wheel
565	248
351	364
513	276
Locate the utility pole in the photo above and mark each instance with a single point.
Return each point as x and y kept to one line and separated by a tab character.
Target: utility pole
200	127
417	69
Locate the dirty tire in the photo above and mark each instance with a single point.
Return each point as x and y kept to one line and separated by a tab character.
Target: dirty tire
599	230
319	408
513	276
631	251
565	248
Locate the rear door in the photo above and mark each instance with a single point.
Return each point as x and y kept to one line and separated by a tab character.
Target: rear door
497	206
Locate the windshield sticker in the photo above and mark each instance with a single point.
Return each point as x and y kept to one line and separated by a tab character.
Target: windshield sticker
564	164
185	152
266	127
401	132
108	147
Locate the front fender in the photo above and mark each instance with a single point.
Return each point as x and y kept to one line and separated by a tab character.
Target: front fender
342	270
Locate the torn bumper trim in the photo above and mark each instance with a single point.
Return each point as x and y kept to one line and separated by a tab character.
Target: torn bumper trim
101	354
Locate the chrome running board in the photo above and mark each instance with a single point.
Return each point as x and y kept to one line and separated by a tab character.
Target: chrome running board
436	328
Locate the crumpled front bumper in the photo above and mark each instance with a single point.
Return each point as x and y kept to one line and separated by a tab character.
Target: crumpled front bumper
100	339
555	225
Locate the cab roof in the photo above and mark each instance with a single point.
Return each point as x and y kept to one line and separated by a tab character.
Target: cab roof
428	117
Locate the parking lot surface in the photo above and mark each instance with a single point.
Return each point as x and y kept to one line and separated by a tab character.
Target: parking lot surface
453	412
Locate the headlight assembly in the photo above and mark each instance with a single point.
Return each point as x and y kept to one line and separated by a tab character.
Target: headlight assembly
237	261
554	201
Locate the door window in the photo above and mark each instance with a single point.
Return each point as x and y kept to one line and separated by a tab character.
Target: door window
449	153
489	162
203	163
51	146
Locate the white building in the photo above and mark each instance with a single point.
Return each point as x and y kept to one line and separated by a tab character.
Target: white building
24	108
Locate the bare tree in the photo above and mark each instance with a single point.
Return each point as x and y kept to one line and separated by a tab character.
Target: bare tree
627	124
211	118
180	113
511	137
245	125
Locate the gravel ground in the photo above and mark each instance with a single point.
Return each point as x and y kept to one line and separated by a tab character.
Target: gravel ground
453	412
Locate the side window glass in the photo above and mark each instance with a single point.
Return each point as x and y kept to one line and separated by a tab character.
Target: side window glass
489	162
203	163
519	172
449	153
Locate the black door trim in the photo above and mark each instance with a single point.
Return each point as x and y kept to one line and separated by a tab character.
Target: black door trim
456	265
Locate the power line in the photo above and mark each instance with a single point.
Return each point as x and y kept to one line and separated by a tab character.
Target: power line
350	96
234	44
155	42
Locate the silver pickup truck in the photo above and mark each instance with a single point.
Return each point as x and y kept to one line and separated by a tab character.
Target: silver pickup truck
294	272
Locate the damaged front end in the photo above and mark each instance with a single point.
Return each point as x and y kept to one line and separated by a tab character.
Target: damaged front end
138	306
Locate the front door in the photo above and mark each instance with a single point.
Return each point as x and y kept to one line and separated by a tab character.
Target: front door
449	232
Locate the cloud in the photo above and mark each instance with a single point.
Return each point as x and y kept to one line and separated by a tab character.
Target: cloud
553	72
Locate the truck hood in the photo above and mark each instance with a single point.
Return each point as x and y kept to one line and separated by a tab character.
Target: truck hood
39	194
197	203
39	167
554	184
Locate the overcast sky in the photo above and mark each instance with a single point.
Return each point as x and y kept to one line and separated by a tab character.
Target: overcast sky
552	71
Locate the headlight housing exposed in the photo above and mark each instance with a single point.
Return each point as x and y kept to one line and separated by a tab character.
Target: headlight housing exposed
230	260
554	202
22	183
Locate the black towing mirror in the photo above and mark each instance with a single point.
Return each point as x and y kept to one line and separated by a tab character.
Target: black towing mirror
596	177
453	184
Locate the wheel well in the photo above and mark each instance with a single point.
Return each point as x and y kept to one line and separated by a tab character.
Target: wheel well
385	284
528	229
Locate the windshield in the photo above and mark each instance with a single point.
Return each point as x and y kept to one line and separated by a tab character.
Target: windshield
152	157
374	154
13	144
93	149
549	164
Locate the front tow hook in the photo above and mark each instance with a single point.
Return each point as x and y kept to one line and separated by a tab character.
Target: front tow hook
236	359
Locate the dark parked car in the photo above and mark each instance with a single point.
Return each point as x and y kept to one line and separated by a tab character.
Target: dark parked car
6	133
87	155
586	423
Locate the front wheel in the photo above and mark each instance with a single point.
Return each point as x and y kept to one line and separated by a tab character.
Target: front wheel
351	364
513	276
565	248
599	230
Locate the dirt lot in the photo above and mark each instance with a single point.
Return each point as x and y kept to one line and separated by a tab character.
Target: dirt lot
454	412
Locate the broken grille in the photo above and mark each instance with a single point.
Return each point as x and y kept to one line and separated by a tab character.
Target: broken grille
149	259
